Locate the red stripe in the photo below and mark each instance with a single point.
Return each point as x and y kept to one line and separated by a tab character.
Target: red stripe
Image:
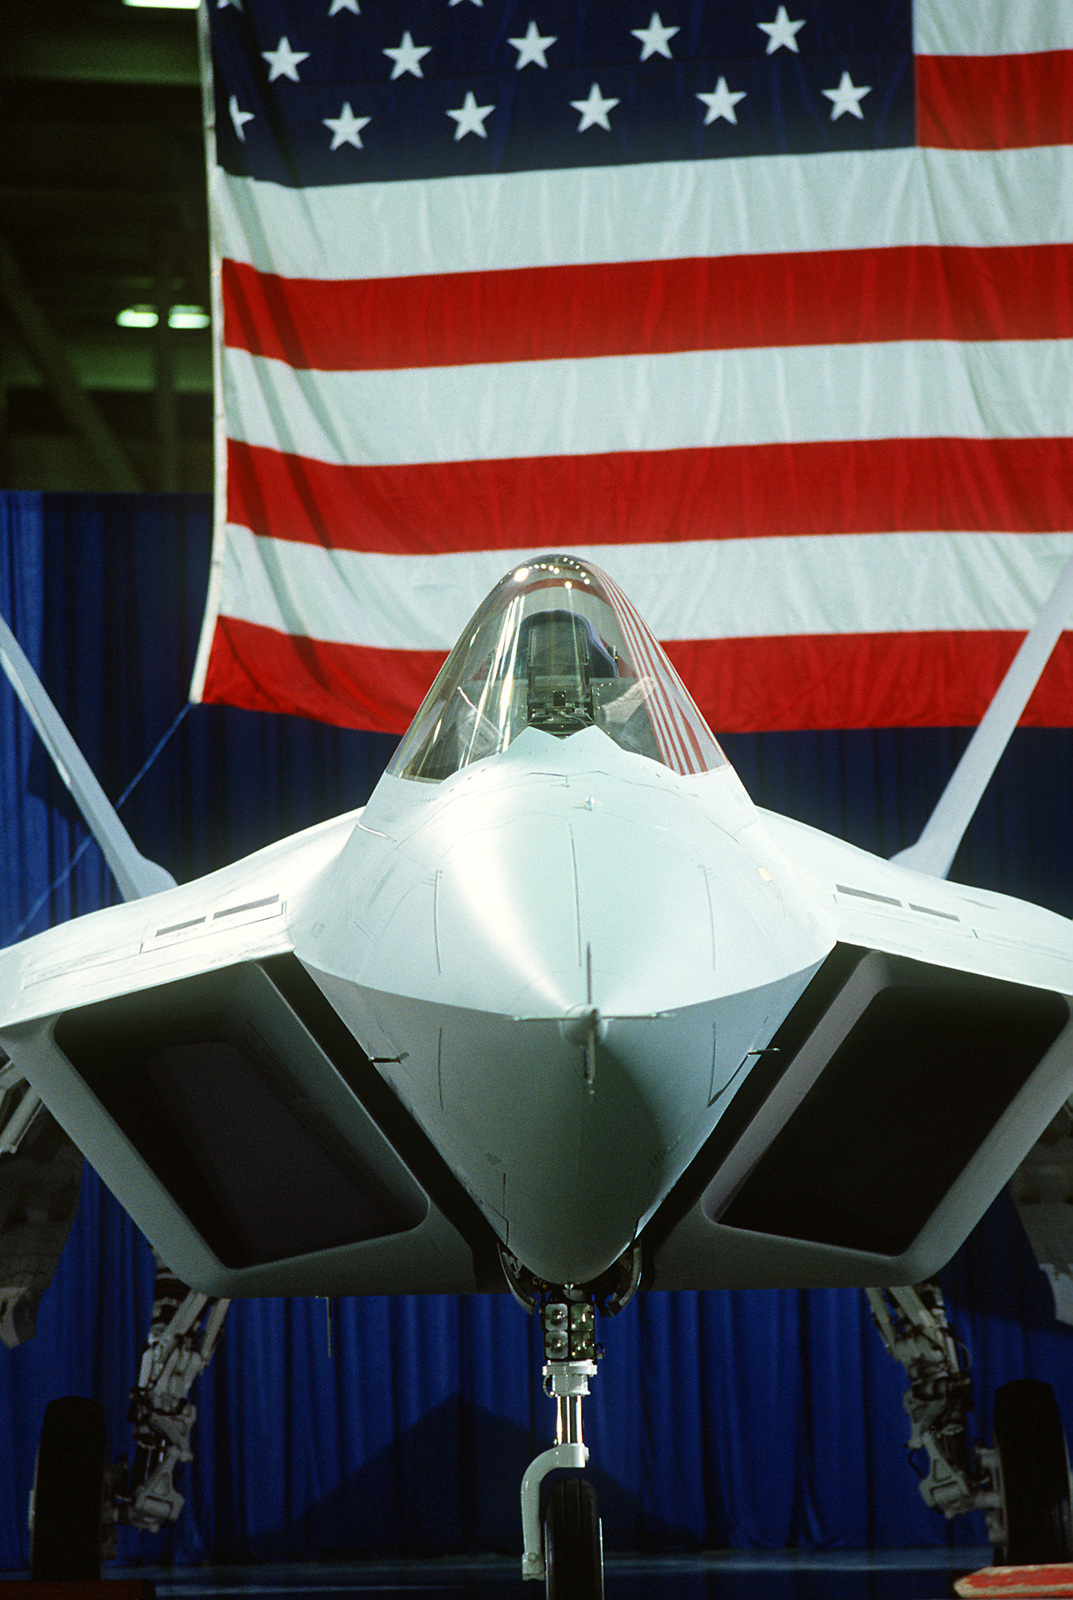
995	102
901	680
740	685
639	307
650	497
353	686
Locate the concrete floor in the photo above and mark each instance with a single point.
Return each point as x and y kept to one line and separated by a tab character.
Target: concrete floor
724	1575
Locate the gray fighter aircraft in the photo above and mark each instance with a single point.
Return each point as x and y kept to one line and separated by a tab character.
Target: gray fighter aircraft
559	1010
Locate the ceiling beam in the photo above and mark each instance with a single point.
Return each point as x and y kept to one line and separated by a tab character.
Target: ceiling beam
25	204
153	47
50	355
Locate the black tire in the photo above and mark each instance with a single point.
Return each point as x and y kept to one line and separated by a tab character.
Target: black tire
68	1504
573	1542
1035	1475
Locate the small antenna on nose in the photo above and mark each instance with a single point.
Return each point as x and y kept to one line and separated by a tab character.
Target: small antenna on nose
588	1054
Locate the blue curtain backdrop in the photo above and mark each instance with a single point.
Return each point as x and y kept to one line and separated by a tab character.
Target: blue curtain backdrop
759	1419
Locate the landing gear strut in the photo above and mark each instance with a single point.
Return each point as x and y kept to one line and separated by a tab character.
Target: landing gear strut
1022	1481
183	1332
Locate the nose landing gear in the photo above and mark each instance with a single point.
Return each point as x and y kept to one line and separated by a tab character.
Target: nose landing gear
567	1551
565	1547
568	1554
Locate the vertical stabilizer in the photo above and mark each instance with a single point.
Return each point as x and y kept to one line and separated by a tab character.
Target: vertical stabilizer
934	851
135	875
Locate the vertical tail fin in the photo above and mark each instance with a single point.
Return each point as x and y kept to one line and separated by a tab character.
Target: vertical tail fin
934	851
135	875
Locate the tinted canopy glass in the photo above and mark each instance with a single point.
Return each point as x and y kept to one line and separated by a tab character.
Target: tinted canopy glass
556	646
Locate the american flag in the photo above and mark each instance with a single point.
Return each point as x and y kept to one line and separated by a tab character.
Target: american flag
766	309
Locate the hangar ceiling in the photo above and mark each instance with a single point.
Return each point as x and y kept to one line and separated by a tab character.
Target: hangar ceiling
102	174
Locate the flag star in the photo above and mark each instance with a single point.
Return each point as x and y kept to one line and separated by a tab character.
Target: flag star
284	61
781	32
345	5
346	127
239	118
475	2
470	117
846	98
220	4
532	47
407	57
654	38
594	110
721	102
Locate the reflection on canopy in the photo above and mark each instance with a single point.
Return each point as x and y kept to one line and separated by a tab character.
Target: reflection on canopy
555	646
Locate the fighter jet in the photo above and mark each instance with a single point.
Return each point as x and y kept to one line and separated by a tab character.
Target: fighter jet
559	1011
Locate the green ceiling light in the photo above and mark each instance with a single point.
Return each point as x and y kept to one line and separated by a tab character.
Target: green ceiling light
188	317
145	316
137	317
165	5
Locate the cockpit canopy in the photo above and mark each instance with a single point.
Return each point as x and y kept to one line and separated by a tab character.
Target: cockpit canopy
555	646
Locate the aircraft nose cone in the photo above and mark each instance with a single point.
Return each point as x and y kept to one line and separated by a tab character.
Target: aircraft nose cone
577	1136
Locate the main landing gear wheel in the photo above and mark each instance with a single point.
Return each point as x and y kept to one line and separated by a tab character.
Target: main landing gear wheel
1034	1463
67	1520
573	1542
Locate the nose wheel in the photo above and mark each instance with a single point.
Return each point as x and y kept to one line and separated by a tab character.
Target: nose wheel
573	1542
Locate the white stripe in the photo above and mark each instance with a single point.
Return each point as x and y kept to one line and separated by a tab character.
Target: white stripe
666	211
734	588
685	400
991	27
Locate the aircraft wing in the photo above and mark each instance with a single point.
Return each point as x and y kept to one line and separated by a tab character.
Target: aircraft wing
985	933
178	1040
922	1064
882	905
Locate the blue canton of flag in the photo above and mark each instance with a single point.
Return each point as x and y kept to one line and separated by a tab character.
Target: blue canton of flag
333	94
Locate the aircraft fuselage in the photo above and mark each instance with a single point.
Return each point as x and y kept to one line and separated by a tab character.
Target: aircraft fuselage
570	957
